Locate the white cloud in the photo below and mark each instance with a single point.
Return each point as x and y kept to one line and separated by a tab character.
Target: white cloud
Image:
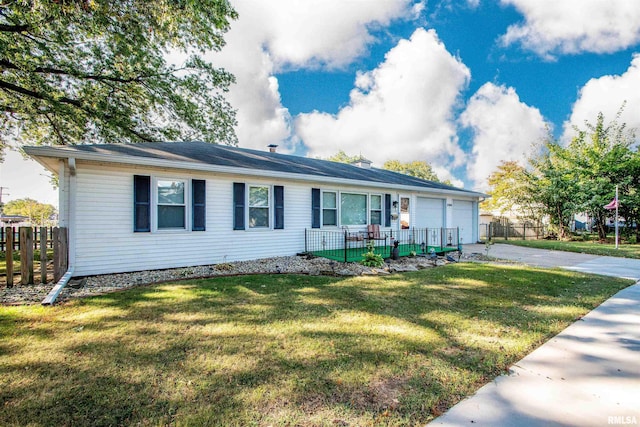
575	26
270	36
401	110
504	129
606	95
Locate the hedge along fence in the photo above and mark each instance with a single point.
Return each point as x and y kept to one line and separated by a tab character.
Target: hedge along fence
59	241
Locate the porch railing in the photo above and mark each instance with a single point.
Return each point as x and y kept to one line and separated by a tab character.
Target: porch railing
349	246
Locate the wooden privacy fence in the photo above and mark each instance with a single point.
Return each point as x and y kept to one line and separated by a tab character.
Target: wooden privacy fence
28	241
38	232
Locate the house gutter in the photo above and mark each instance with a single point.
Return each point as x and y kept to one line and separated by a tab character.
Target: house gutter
50	299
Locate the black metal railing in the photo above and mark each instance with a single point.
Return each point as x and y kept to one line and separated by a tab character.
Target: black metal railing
349	245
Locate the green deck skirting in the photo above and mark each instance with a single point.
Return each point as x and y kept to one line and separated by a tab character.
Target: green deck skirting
355	254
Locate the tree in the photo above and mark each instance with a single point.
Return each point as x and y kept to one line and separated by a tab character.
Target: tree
601	158
342	157
78	71
510	191
36	212
418	168
553	185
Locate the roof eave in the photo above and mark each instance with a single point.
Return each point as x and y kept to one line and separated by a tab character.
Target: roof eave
42	152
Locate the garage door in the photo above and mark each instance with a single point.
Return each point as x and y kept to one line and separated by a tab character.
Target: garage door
430	215
463	218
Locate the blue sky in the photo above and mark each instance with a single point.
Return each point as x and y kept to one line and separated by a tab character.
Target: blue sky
460	84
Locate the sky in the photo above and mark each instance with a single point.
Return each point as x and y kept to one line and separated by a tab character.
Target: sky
460	84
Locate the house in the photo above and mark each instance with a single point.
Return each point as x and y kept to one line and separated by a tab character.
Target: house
131	207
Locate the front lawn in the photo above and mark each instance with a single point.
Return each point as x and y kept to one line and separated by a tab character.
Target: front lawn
283	349
586	247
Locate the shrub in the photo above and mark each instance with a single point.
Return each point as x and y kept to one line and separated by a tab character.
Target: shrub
370	258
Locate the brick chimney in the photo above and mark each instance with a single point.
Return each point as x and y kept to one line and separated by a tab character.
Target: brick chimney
272	148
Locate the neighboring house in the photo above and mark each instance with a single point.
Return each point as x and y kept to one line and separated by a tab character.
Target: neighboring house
13	220
133	207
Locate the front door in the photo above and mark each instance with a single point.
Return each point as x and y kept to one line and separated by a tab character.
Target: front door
405	213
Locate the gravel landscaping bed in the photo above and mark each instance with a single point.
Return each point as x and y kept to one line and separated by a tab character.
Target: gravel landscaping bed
96	285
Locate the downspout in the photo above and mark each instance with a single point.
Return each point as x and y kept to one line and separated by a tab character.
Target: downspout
70	203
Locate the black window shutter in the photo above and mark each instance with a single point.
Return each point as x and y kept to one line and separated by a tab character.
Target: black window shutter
278	198
141	203
315	208
387	210
198	204
238	205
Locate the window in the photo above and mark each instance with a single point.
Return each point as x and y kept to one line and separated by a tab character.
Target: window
329	208
258	207
168	204
353	209
376	209
171	204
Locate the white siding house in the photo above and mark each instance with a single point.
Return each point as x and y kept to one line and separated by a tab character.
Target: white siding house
165	205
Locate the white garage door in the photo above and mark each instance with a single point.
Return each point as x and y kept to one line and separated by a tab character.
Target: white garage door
463	219
430	215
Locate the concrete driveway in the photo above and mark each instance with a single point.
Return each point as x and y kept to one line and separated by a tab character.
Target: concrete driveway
588	375
605	265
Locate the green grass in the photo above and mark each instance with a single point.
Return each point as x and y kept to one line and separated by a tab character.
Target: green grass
354	254
586	247
282	349
16	261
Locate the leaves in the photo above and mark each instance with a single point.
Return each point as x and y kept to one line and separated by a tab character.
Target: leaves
36	212
96	71
561	181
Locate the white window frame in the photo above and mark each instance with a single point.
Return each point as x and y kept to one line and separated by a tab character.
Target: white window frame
269	207
155	204
372	210
355	193
336	209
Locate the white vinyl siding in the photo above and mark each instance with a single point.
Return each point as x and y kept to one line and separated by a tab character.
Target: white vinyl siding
104	214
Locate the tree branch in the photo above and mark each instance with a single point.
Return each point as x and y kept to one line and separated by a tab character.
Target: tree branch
36	95
13	28
47	70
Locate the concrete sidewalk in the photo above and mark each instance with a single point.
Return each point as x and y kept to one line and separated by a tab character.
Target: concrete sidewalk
588	375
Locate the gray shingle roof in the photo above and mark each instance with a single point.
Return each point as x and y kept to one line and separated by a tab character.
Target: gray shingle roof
223	155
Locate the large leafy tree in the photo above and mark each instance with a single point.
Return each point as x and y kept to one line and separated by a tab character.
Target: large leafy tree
601	157
510	191
74	71
418	168
553	184
37	212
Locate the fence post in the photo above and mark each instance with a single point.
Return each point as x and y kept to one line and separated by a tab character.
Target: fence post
43	255
524	231
346	246
9	255
26	255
